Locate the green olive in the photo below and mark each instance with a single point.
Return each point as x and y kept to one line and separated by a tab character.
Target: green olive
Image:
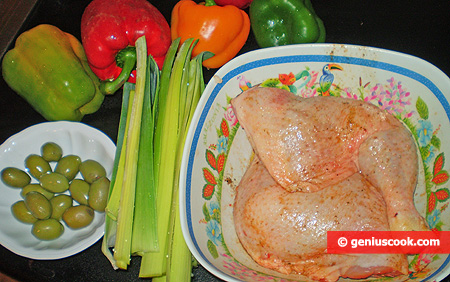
37	188
37	166
68	166
51	152
21	213
79	190
78	216
54	182
98	194
92	170
15	177
60	204
47	229
38	205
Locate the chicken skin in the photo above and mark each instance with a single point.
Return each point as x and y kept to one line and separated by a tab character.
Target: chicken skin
308	144
389	162
286	231
322	164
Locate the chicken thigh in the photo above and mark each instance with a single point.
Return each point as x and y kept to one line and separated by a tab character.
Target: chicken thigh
308	144
286	231
322	164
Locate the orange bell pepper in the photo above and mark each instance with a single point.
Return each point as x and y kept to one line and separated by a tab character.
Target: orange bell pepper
222	30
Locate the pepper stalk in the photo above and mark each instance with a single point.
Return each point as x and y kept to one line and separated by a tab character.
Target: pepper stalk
126	59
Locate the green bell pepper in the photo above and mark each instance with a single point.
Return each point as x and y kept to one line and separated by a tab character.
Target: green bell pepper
283	22
49	69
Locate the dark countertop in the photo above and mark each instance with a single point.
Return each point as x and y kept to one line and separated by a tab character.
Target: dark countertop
419	28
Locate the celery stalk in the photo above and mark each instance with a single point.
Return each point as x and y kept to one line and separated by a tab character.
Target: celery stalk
112	209
122	247
114	194
154	264
159	279
142	215
127	87
176	250
180	259
145	237
159	106
185	98
162	82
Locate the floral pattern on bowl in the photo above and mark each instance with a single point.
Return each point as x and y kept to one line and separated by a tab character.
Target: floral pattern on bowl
217	152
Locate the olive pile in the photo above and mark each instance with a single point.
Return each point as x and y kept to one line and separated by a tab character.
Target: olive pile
47	203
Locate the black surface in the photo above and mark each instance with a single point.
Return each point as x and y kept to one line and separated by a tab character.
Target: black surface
419	28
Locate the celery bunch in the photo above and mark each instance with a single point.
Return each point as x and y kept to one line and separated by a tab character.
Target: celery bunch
142	215
179	95
131	212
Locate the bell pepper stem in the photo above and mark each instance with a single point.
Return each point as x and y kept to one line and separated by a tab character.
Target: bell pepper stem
210	3
126	59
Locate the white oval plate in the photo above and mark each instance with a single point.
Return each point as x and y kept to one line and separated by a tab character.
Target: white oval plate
74	138
217	151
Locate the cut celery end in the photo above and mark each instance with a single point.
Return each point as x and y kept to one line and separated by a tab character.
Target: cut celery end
180	258
160	279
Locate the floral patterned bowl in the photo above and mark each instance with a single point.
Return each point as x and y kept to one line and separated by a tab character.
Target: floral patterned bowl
217	151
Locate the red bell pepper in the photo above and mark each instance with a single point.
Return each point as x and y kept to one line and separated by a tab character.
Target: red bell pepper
241	4
109	30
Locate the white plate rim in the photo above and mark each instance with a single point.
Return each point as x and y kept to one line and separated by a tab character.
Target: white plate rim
83	244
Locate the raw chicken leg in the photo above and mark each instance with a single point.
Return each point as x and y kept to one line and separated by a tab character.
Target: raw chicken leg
309	144
322	164
286	231
388	160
